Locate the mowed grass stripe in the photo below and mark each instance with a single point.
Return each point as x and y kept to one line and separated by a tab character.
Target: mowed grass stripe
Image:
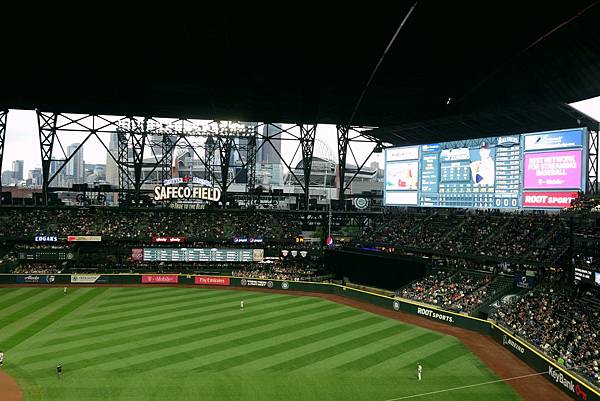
52	317
15	298
196	352
443	356
5	292
124	292
339	348
176	316
284	346
150	313
124	336
32	305
155	303
336	359
175	340
388	353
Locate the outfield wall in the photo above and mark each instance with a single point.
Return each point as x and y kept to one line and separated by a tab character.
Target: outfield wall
565	380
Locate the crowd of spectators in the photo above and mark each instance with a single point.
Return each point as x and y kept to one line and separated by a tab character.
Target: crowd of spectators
115	224
537	238
284	271
39	268
561	324
460	291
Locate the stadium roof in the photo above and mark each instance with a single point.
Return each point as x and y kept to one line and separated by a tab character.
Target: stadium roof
451	63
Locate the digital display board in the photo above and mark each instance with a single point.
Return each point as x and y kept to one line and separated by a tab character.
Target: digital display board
200	255
587	276
536	171
46	254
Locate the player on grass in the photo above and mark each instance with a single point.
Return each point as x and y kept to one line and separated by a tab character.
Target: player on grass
242	304
1	358
419	371
65	291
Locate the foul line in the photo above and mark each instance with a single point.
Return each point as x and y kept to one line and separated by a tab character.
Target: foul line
463	387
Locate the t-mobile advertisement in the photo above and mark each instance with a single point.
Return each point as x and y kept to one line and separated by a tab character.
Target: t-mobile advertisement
160	279
553	170
559	200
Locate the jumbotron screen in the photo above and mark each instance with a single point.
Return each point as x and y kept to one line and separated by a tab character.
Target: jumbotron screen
532	171
197	255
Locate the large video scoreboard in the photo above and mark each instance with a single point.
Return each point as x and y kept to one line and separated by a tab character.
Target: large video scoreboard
535	171
197	255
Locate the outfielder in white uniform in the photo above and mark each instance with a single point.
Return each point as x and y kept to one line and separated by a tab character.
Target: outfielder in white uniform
419	371
1	358
242	305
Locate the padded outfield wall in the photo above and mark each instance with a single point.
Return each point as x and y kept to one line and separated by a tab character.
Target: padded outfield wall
560	377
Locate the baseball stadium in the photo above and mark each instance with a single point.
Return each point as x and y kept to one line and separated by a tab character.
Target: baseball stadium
364	203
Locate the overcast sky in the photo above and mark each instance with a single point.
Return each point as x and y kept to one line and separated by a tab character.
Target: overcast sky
22	141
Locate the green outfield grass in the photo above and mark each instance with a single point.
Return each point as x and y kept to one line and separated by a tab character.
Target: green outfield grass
161	343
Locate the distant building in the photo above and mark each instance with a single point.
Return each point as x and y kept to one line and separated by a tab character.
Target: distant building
75	166
17	168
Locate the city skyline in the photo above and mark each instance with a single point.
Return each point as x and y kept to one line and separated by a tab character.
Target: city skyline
22	142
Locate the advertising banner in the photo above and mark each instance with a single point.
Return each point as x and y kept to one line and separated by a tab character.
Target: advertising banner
403	153
566	382
523	281
46	238
137	254
35	279
554	140
403	176
400	198
247	240
256	283
211	280
160	279
88	279
553	170
84	238
169	240
559	200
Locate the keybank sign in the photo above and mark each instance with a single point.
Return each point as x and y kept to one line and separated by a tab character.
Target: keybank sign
506	340
434	315
559	377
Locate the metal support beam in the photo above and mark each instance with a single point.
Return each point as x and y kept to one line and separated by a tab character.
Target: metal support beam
122	164
307	141
138	143
209	159
167	157
225	146
47	135
592	162
3	118
342	142
251	168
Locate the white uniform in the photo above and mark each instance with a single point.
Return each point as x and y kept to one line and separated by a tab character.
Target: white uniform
1	358
419	371
65	290
483	171
241	304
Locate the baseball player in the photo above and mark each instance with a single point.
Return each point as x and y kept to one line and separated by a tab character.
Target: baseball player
59	372
483	171
242	304
65	291
1	358
419	371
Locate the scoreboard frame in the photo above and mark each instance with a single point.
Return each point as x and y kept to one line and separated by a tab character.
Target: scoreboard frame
446	179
